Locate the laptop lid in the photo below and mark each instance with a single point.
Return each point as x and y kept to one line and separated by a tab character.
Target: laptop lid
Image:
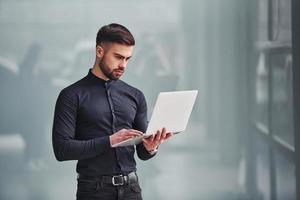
172	110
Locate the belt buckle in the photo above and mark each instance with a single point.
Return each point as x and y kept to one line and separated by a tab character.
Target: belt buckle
114	182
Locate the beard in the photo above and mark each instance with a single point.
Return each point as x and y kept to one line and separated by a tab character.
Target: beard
111	74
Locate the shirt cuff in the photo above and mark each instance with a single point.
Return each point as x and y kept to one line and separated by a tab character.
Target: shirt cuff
102	144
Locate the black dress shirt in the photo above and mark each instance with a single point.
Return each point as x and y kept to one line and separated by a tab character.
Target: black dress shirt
87	113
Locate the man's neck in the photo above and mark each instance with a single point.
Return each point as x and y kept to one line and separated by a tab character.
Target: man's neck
97	72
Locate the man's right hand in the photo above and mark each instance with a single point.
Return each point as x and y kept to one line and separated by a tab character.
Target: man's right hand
122	135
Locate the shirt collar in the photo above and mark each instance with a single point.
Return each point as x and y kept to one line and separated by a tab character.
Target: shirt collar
95	78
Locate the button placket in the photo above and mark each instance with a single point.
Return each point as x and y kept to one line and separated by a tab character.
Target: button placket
111	106
108	92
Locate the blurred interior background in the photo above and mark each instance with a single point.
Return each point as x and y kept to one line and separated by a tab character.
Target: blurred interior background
240	139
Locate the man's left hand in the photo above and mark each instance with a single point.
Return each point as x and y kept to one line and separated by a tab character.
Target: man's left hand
156	139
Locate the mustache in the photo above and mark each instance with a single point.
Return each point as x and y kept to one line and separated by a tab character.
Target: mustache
119	70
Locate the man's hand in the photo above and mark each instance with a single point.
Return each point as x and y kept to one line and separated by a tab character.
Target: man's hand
156	139
122	135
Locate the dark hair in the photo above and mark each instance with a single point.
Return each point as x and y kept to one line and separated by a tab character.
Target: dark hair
115	33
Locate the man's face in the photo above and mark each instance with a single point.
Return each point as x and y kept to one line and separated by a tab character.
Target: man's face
113	59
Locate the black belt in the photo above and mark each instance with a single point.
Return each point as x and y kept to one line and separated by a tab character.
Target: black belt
115	180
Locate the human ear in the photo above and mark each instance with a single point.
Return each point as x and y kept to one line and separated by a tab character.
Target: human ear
99	51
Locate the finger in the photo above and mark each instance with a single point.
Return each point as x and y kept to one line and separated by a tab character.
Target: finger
164	137
152	138
149	139
160	136
146	141
164	134
133	133
164	130
136	131
157	135
169	135
127	137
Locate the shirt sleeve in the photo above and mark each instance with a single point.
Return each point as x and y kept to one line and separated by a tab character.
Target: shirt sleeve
65	146
141	123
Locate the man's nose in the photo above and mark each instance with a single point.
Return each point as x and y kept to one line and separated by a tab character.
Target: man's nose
123	64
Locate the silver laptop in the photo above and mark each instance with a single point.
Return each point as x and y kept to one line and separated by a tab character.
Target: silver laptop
172	111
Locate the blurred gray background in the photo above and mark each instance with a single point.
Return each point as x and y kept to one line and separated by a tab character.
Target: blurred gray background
237	53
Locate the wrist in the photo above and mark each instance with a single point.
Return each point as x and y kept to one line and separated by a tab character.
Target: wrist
111	142
153	151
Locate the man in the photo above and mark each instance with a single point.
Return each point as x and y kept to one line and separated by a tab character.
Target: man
99	111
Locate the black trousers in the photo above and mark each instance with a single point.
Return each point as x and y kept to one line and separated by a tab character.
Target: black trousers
95	189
